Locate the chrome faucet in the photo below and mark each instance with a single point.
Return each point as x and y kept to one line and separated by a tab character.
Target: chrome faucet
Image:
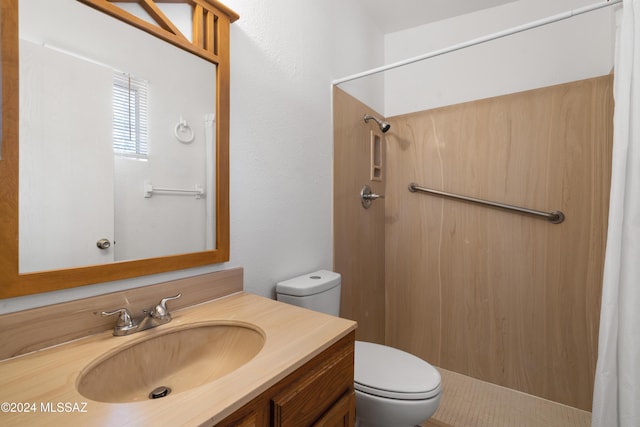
127	325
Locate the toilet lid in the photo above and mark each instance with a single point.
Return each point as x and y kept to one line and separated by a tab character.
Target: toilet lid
388	372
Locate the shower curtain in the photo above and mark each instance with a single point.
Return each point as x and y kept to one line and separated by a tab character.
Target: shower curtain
616	400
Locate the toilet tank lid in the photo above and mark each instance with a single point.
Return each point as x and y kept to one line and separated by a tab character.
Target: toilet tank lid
309	284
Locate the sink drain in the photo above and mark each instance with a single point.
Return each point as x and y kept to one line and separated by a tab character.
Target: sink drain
159	392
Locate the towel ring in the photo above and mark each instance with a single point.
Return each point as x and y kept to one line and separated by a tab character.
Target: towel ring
183	132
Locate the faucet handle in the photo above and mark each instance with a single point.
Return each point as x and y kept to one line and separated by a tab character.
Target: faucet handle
124	319
160	311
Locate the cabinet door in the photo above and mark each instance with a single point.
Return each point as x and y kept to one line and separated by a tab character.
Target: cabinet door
342	414
320	393
310	397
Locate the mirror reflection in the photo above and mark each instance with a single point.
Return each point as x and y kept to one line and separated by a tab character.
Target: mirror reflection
117	141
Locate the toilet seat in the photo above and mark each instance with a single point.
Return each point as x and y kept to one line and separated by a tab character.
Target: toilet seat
391	373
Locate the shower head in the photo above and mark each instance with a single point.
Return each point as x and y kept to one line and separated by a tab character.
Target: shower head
384	126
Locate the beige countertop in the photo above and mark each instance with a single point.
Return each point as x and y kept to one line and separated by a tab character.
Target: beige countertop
39	389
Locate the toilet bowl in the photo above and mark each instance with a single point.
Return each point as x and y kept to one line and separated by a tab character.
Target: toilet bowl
393	388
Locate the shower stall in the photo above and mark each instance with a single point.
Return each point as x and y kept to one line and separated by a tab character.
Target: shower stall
522	118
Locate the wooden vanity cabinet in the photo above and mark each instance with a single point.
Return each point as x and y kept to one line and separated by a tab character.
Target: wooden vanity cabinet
320	393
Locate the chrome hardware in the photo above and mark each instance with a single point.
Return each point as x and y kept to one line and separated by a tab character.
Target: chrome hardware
160	311
103	244
159	392
126	325
367	197
384	126
555	217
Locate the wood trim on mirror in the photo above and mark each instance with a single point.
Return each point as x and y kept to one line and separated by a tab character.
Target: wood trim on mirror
12	283
211	21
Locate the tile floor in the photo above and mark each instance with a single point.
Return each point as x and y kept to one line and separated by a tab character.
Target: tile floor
468	402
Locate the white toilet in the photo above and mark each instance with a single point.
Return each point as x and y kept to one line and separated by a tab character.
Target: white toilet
393	388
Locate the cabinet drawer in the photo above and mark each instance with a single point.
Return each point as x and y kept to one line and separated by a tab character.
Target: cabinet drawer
341	414
250	420
315	392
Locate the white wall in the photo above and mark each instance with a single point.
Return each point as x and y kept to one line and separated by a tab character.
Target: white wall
579	48
284	55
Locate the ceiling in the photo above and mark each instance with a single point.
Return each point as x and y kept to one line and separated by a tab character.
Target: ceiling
402	14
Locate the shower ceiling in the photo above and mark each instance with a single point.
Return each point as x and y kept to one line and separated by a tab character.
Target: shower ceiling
403	14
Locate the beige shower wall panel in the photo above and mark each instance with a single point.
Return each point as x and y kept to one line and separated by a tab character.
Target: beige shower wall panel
500	296
358	233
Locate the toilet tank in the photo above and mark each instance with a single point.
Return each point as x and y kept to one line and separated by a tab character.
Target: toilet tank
319	291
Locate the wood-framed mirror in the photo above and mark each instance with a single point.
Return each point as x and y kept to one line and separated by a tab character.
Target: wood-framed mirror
210	21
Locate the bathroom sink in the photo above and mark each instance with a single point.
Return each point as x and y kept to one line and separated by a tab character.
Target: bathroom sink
169	363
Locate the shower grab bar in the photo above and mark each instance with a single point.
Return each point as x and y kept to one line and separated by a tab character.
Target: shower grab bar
149	189
555	217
